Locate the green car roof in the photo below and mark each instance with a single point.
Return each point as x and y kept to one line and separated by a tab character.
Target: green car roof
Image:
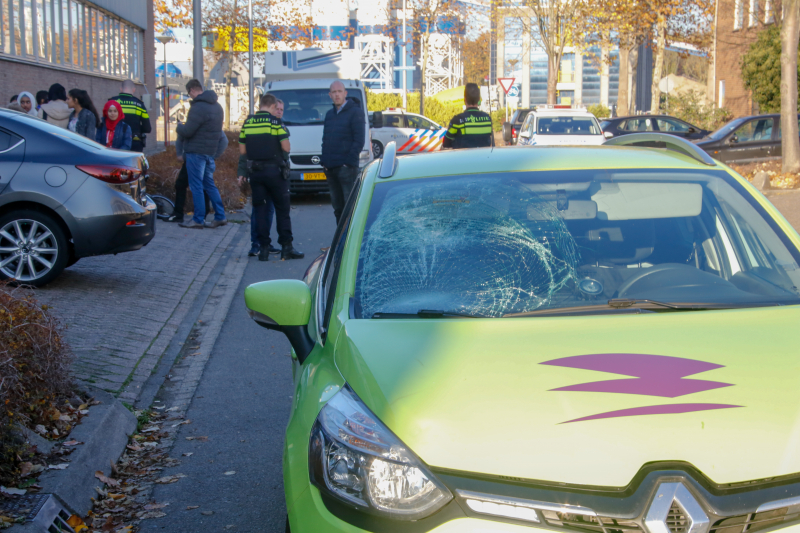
514	159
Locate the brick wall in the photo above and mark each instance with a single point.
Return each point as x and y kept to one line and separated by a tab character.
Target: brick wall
17	77
731	45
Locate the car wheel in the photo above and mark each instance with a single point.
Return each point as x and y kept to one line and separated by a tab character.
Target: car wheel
377	149
33	248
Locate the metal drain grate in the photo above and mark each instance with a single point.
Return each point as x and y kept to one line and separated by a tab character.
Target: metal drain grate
44	510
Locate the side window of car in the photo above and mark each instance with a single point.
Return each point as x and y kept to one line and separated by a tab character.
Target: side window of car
393	121
7	140
754	131
639	124
671	125
419	122
330	275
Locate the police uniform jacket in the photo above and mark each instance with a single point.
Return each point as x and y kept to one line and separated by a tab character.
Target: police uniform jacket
262	134
470	129
135	115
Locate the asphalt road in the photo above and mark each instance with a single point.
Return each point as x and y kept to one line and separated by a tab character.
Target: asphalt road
242	405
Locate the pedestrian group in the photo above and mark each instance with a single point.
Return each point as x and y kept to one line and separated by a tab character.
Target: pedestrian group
264	148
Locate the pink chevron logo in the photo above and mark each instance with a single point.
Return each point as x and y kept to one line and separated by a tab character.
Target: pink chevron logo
655	375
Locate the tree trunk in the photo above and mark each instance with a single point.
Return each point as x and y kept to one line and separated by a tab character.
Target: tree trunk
622	95
790	32
552	78
658	62
423	71
231	40
633	66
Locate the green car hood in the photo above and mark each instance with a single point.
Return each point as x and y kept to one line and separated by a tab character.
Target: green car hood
587	400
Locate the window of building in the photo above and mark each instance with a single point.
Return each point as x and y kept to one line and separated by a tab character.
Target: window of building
72	34
738	15
752	19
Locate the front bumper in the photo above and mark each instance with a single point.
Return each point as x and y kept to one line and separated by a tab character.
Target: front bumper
298	185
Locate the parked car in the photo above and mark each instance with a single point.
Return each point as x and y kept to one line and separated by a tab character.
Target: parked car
511	128
746	139
64	197
658	123
413	133
553	126
501	342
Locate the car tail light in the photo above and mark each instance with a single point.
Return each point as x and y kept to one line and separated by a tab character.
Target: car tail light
115	174
514	133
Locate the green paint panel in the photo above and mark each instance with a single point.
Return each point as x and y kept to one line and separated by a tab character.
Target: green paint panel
286	301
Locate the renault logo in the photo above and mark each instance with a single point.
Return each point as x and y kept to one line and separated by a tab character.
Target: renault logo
315	159
674	510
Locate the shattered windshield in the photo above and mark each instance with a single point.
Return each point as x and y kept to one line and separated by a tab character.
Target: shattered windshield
494	245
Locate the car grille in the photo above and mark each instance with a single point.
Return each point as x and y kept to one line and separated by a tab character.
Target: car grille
303	159
590	524
754	521
676	519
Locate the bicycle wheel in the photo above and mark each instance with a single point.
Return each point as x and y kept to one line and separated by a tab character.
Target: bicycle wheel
164	207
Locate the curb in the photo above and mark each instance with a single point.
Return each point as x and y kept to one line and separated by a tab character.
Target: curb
105	434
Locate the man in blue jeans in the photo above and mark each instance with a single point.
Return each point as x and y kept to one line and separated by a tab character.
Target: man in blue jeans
342	141
200	140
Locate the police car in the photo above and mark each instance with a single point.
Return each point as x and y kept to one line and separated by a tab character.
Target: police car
412	133
552	126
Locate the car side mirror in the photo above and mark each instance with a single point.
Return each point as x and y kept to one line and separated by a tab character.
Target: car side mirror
607	134
691	130
525	134
283	305
377	119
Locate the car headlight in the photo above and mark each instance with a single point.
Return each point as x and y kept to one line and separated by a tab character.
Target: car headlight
356	459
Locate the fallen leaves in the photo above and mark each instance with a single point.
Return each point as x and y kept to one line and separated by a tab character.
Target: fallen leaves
169	479
182	423
229	473
107	480
72	443
60	466
12	491
192	507
198	439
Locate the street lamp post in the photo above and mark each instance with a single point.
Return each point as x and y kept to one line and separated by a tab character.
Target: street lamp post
197	54
250	53
405	56
164	39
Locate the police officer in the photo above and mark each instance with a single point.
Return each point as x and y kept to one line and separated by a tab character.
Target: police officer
473	127
135	114
264	146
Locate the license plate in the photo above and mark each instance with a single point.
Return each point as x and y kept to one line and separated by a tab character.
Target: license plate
313	176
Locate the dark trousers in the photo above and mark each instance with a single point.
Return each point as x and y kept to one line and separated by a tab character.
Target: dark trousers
254	229
181	184
340	182
137	146
268	186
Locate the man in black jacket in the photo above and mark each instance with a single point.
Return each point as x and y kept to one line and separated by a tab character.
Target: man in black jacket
200	140
135	114
342	142
473	127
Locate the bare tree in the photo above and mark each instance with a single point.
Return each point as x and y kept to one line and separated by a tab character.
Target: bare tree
790	34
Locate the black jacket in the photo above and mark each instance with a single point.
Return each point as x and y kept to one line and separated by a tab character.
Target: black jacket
343	135
203	125
470	129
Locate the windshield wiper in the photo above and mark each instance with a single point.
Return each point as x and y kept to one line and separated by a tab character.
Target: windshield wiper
426	313
627	305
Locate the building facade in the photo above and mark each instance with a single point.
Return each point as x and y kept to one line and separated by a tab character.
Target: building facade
737	25
91	45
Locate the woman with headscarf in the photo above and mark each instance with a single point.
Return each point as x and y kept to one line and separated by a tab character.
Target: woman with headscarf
56	111
27	102
84	120
114	132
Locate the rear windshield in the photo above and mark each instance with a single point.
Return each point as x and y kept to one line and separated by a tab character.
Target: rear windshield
520	116
567	126
498	244
309	106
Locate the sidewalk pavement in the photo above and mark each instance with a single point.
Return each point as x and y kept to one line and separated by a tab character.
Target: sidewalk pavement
122	311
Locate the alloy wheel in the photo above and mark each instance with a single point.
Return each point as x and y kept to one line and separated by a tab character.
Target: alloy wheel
28	250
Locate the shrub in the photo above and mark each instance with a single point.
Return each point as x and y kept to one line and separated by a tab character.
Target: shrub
599	110
165	166
688	107
34	369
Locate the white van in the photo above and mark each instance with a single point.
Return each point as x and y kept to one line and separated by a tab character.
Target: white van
302	80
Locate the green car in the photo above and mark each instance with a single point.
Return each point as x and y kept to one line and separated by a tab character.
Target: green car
595	339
